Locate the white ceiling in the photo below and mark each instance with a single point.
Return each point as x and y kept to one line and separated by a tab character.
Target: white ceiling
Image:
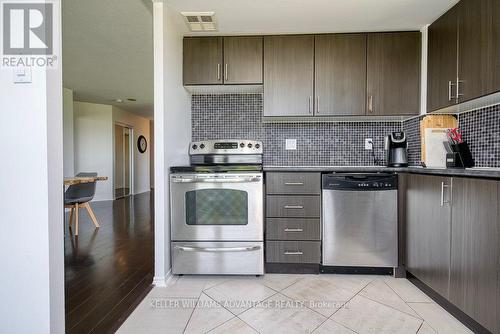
108	52
108	44
316	16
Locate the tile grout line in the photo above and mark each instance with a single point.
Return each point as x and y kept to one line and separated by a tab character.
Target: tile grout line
389	306
192	312
430	302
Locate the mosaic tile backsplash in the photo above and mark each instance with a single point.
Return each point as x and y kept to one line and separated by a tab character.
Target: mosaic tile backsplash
224	116
480	129
318	144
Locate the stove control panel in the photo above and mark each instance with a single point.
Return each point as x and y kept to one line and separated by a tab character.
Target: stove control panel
226	146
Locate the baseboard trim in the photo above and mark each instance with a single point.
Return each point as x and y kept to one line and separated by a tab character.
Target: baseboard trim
162	281
142	192
466	320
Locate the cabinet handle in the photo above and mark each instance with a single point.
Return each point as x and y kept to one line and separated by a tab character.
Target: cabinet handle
294	183
218	71
444	185
310	104
294	207
370	104
293	253
317	104
450	90
225	73
294	230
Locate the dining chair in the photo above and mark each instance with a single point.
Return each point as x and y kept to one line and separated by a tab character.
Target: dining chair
79	195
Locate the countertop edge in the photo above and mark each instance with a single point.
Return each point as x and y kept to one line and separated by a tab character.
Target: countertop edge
473	173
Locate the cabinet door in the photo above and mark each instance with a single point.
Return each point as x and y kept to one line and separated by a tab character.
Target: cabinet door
442	61
243	60
496	46
202	60
393	78
288	75
475	250
475	62
340	74
428	219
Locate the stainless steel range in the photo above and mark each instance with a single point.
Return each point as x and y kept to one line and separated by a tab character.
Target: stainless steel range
217	209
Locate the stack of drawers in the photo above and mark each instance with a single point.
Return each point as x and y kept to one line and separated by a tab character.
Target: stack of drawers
293	218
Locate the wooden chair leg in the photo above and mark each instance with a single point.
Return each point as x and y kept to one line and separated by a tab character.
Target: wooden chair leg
91	214
76	218
71	211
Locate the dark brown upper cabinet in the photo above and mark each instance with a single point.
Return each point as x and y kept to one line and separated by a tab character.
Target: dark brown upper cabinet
442	61
203	61
222	60
475	44
340	74
393	73
495	55
288	75
243	60
464	53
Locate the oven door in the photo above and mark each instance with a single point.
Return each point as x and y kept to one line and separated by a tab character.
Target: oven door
217	207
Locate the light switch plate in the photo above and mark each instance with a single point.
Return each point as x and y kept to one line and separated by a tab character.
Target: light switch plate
22	75
291	144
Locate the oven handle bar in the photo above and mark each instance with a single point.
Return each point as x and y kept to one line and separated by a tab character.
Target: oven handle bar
217	180
217	249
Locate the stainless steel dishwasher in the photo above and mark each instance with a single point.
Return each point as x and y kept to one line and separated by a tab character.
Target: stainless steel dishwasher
360	218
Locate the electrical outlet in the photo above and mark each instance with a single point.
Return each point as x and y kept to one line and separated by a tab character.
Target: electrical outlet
291	144
368	144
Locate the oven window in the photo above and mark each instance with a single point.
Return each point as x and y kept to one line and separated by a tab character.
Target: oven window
217	207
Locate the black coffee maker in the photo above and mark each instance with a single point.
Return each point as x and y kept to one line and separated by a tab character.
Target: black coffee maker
395	149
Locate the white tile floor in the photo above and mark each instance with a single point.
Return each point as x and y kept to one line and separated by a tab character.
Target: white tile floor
290	304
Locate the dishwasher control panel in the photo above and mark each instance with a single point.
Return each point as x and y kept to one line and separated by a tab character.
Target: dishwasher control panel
360	182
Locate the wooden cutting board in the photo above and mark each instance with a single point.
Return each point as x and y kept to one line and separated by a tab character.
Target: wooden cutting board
435	122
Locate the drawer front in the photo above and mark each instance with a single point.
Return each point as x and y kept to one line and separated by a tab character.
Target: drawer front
293	251
218	258
293	206
293	183
293	229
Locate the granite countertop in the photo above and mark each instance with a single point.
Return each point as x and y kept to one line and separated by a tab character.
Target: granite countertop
490	173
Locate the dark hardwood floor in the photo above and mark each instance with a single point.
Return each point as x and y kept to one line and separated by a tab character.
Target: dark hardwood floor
109	270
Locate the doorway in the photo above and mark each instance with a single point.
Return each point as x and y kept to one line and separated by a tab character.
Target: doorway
123	166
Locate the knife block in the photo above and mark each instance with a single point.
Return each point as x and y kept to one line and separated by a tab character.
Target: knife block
461	156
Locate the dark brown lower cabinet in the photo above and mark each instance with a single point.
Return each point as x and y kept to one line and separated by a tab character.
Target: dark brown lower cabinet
428	219
475	250
453	242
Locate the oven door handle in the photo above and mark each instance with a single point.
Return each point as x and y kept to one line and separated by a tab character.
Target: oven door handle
217	249
217	180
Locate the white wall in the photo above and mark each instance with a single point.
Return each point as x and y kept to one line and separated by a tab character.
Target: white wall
172	131
31	201
94	144
151	153
140	126
68	144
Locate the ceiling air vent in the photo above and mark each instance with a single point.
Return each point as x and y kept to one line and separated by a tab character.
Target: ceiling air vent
200	21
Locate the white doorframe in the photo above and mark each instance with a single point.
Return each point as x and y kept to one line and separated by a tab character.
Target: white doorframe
131	157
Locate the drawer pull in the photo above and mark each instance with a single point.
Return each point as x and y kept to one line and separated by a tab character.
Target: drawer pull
294	230
217	249
294	207
294	253
294	183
